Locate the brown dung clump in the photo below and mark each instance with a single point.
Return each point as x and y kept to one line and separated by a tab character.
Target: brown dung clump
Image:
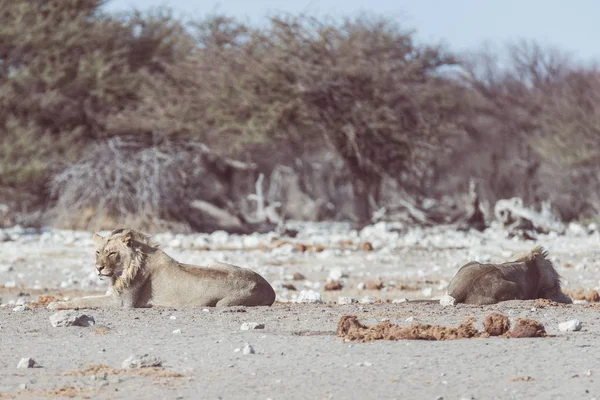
495	324
526	327
350	329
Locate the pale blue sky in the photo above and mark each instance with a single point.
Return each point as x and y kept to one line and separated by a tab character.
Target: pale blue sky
572	26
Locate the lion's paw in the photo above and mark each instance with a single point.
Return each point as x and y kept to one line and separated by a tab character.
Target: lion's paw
57	305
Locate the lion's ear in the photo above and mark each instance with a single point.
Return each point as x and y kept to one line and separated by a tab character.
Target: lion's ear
98	240
127	238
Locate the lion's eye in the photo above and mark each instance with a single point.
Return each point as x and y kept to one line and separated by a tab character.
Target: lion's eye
112	254
97	253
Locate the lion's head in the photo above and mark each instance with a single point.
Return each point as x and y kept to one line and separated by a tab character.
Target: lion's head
550	284
120	255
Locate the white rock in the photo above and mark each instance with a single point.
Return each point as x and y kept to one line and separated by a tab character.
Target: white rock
573	325
21	308
143	361
447	300
173	317
427	292
175	243
177	331
346	300
335	274
71	318
26	363
361	286
410	319
368	300
4	237
248	326
575	229
248	349
309	296
400	300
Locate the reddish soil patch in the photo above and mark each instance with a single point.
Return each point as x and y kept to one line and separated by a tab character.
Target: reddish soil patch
43	301
541	303
100	369
375	285
592	296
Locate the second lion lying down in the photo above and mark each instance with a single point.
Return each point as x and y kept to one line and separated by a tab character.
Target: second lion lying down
528	277
142	275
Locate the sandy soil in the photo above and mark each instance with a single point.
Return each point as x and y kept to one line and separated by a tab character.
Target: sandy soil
297	354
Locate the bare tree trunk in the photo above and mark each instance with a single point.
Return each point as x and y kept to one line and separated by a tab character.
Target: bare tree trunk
365	189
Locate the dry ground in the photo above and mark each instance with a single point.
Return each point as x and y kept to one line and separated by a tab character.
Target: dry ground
298	355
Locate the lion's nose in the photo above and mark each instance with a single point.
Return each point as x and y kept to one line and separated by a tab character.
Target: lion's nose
99	268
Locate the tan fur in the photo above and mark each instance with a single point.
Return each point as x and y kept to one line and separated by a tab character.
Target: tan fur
528	276
142	275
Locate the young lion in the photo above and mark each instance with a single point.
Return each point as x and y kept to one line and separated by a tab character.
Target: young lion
528	277
142	275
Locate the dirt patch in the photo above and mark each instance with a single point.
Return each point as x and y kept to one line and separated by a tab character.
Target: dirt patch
43	301
333	285
367	246
375	285
591	296
496	324
301	247
101	369
541	303
298	276
64	391
521	379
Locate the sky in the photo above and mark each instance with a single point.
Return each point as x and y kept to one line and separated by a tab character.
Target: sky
463	25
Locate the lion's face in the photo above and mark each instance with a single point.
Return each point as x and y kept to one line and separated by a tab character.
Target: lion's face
550	283
113	255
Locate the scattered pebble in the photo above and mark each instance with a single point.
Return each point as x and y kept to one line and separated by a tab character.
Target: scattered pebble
143	361
447	300
248	326
309	296
177	331
71	318
368	300
172	317
248	349
346	300
26	363
21	308
573	325
400	300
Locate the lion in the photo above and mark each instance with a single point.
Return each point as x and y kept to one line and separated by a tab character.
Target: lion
142	275
527	277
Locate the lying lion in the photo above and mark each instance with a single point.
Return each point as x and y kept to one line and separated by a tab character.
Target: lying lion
142	275
528	277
